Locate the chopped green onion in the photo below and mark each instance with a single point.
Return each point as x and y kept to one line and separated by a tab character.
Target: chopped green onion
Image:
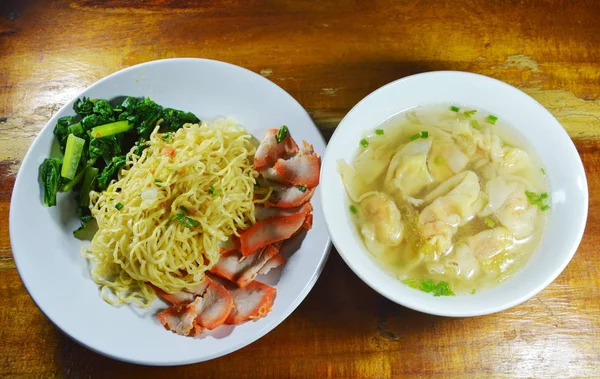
156	181
475	124
439	160
119	206
543	171
474	291
538	200
489	222
424	134
167	137
353	209
470	113
440	289
302	188
364	142
415	136
111	129
213	191
73	151
454	109
379	132
186	221
281	134
184	209
492	119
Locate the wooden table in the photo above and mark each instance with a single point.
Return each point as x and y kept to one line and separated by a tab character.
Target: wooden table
328	55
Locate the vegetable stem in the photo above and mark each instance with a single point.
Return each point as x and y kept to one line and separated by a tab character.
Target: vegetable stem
73	152
111	129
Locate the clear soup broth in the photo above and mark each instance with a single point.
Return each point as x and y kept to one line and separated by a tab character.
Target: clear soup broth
449	200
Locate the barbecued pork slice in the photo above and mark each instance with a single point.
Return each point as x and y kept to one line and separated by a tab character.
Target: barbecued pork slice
251	302
213	307
269	150
271	230
242	269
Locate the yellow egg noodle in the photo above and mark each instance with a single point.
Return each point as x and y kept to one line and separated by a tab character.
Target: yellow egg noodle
164	220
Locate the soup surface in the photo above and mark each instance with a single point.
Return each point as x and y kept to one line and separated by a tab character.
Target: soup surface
450	200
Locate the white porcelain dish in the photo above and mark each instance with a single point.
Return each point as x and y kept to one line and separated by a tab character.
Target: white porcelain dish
48	257
565	173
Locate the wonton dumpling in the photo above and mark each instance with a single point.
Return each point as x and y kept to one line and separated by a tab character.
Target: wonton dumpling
445	160
382	222
508	202
371	163
456	201
408	170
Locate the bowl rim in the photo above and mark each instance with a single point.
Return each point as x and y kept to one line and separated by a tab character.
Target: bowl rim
261	332
444	310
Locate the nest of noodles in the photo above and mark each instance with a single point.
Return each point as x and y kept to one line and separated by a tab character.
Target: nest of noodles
163	221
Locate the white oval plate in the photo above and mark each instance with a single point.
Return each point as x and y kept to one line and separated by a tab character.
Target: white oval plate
568	185
48	256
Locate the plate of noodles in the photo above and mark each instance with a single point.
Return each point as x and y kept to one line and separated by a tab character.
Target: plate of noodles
175	209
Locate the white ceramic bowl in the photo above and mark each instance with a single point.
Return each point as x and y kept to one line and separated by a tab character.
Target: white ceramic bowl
48	257
546	136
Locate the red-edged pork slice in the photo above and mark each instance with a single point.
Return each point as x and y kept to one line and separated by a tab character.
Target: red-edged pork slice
251	302
241	269
289	197
308	222
262	213
300	170
266	232
213	307
179	320
269	151
178	298
233	243
274	262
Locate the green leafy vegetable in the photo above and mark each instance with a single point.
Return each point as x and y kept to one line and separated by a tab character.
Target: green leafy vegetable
489	222
440	289
379	132
88	184
50	178
491	119
106	147
302	188
186	221
174	119
538	200
83	106
76	129
73	152
281	134
110	172
353	209
85	216
364	142
61	131
89	122
454	109
103	108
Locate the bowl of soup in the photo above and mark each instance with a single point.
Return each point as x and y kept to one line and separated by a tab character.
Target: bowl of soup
453	194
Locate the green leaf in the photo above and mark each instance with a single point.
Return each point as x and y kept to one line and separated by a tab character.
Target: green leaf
106	147
103	108
50	178
61	131
88	184
83	106
110	172
85	216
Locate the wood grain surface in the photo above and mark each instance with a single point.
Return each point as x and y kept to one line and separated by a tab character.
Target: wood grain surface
328	55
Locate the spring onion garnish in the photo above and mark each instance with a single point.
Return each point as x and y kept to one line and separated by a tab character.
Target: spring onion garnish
470	113
186	221
439	289
474	291
543	171
119	206
454	109
184	209
415	136
439	160
364	142
491	119
167	137
302	188
424	134
475	124
281	134
538	200
379	132
353	209
489	222
212	190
